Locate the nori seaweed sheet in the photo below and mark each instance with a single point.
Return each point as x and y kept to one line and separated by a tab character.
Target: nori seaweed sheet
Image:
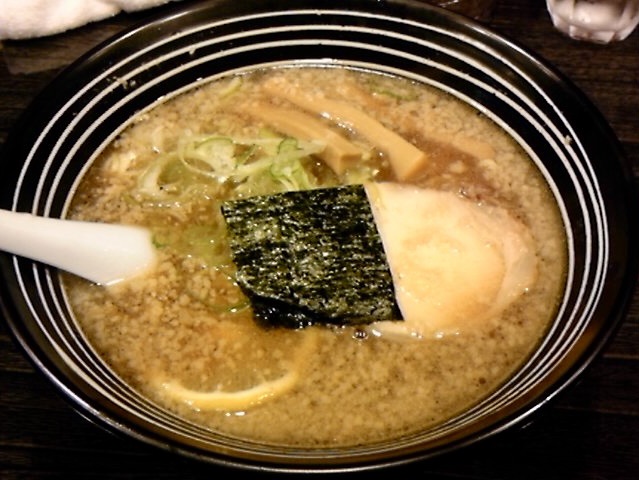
311	257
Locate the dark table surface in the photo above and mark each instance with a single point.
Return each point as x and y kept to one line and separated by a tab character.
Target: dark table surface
591	431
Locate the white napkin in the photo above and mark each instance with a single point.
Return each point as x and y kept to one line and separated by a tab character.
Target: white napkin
37	18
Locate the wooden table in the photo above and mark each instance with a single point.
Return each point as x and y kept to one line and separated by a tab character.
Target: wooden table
590	432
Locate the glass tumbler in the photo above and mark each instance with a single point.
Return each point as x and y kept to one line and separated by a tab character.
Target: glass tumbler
600	21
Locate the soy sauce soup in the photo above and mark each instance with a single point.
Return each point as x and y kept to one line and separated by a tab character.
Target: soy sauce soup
185	336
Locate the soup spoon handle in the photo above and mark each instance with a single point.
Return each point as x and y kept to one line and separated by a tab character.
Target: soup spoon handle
100	252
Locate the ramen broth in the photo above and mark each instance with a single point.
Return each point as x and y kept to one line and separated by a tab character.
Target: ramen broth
185	337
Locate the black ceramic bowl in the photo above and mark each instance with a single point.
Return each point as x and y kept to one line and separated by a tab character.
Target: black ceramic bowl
84	109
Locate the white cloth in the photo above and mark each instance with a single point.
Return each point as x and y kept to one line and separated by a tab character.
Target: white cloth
21	19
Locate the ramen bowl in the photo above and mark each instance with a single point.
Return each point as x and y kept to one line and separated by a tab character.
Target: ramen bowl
89	106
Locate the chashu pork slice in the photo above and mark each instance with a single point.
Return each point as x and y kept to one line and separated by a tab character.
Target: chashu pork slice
453	262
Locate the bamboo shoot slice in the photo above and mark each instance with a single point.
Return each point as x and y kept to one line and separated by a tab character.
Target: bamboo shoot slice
338	154
406	160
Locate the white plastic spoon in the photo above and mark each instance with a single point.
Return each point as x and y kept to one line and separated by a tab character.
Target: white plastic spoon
99	252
